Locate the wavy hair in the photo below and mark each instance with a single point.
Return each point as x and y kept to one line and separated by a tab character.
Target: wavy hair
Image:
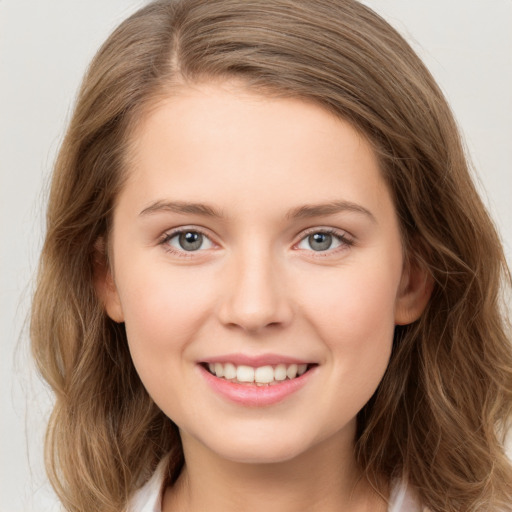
439	416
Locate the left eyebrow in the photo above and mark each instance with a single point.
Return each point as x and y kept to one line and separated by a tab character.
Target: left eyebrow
331	208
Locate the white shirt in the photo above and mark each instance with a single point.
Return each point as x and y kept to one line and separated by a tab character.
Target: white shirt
149	497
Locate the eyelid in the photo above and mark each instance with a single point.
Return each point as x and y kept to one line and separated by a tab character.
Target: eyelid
170	234
347	240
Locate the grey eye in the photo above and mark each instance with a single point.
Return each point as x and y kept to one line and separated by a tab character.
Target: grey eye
320	241
189	241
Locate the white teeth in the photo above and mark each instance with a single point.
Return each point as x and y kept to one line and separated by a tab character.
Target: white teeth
244	374
264	374
229	371
219	370
301	368
261	375
280	372
291	372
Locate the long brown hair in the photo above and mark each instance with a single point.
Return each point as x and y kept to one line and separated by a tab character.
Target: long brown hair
440	413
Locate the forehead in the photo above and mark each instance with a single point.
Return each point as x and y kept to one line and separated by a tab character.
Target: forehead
223	142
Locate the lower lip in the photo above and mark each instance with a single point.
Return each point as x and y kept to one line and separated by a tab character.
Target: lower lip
252	395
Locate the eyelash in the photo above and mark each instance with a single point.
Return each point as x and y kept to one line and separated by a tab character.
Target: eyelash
164	241
345	240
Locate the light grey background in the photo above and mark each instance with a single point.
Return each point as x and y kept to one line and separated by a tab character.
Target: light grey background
45	46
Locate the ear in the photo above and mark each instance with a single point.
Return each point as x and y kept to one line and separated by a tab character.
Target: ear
415	289
104	283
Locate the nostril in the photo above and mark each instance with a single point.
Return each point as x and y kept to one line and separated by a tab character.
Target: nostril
255	304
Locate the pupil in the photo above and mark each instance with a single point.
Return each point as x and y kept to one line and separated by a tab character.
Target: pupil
320	241
190	241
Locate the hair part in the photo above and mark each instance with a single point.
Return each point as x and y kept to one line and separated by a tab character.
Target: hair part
438	416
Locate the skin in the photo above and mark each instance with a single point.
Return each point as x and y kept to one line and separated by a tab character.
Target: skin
255	287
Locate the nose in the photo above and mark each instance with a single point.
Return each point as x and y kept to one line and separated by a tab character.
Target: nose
256	297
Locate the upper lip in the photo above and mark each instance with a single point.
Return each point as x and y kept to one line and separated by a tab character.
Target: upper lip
255	360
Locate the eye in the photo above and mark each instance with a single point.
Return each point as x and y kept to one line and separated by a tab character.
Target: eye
187	240
322	241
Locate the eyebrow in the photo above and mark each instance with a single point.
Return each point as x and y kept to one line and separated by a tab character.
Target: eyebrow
330	208
301	212
181	207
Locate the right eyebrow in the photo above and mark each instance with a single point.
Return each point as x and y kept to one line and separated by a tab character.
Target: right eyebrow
181	207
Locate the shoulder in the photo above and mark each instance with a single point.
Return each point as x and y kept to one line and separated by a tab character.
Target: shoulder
149	497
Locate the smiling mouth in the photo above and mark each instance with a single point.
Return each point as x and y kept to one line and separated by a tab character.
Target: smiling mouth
268	375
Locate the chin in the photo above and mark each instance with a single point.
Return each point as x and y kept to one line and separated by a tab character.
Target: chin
260	454
263	447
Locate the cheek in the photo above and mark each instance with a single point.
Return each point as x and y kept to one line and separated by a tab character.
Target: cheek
353	312
163	310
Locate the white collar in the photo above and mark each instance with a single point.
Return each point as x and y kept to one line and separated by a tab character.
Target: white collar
149	497
403	499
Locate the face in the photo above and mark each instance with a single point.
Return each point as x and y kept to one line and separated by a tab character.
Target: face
258	267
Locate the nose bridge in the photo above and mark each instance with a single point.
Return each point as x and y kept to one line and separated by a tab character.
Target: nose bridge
257	295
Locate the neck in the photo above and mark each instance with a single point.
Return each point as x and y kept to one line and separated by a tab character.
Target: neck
325	478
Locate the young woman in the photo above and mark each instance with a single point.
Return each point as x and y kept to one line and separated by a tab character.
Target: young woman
268	281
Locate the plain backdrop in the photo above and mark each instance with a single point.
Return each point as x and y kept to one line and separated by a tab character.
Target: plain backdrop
45	46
